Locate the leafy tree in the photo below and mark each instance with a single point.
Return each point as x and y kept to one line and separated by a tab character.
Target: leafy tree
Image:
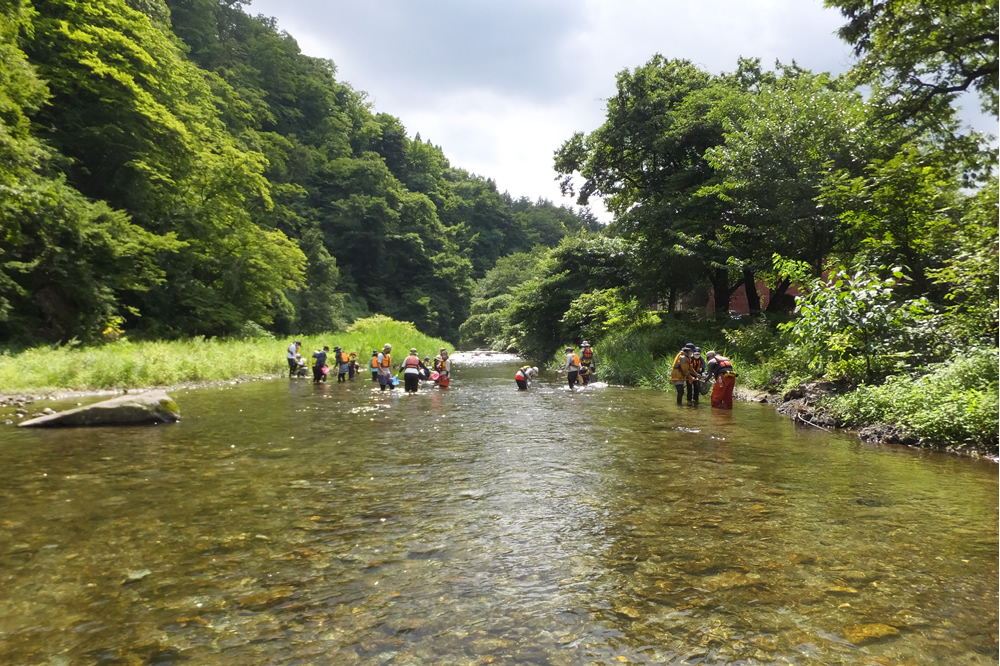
970	276
599	313
861	316
904	210
488	323
140	125
648	163
920	53
784	134
580	264
65	261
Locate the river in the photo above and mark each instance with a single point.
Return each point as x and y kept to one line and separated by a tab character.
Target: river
285	523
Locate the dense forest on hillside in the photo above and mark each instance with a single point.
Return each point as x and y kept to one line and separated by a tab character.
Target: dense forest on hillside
180	168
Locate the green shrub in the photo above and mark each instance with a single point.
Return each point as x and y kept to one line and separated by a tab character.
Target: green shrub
955	403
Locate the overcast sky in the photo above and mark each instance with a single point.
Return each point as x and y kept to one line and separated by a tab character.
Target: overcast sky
501	85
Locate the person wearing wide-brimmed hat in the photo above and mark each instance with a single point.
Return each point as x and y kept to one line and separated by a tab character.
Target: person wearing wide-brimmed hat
681	372
587	365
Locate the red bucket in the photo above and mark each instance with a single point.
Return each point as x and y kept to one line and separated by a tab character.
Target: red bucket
443	381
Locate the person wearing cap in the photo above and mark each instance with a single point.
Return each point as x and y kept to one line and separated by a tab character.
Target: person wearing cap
681	371
698	368
523	374
373	365
587	366
572	368
413	369
720	368
343	364
293	357
384	361
352	366
319	362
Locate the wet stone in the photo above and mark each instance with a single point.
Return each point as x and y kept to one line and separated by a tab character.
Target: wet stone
729	580
800	558
841	590
867	633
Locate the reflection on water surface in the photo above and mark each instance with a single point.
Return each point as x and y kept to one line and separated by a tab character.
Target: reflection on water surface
281	522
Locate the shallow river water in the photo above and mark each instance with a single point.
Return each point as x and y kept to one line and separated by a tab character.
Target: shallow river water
285	523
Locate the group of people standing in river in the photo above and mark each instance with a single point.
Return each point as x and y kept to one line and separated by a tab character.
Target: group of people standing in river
580	368
694	374
413	369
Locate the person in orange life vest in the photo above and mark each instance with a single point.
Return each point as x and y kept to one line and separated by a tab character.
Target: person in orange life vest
572	368
342	363
373	365
445	363
681	371
721	368
697	367
413	369
384	361
587	365
522	376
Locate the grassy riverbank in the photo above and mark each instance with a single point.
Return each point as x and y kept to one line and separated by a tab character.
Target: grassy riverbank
952	404
125	364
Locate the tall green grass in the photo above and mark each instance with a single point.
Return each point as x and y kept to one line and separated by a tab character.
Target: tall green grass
126	364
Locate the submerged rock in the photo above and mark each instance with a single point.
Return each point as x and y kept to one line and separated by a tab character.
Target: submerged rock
863	633
133	409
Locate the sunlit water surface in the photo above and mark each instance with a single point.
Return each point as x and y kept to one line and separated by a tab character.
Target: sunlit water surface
285	523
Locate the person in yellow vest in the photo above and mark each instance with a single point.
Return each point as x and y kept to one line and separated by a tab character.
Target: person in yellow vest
373	365
385	368
681	371
721	368
572	368
352	366
587	366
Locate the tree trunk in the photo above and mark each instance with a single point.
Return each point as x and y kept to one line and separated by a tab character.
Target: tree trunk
750	285
720	284
672	300
776	294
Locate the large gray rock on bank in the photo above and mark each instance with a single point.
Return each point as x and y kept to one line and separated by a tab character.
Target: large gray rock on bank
131	409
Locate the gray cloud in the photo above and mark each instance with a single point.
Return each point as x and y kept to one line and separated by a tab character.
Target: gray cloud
419	51
500	85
